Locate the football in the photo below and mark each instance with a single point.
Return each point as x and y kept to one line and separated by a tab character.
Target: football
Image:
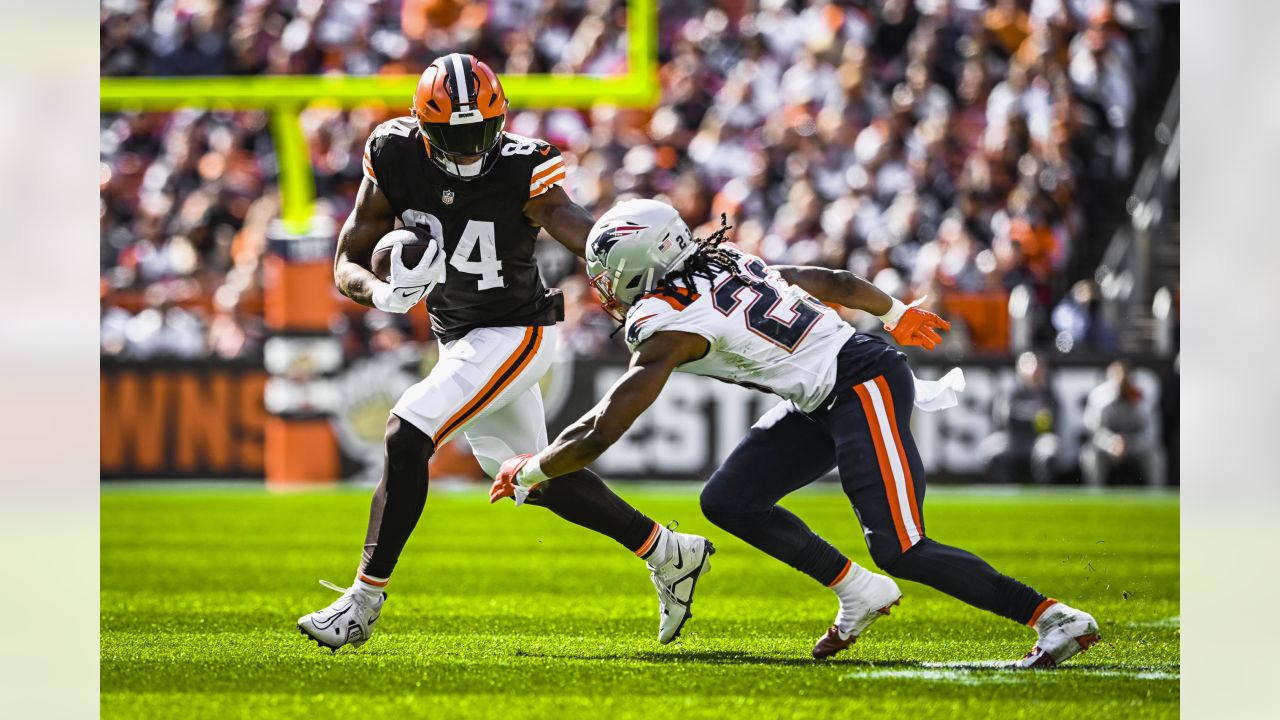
416	242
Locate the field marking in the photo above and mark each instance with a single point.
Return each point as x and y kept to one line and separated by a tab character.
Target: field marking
996	672
1174	621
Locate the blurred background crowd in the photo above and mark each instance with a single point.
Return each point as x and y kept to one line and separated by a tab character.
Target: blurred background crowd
950	148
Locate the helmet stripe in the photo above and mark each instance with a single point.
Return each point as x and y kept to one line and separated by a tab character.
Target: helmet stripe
471	78
462	80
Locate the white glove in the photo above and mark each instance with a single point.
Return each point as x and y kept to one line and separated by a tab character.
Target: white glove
408	286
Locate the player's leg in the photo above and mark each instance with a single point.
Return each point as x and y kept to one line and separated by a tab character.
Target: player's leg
469	375
393	513
582	498
883	475
676	561
397	501
784	451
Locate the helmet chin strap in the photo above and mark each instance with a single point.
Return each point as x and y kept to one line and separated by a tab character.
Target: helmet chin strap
472	170
459	170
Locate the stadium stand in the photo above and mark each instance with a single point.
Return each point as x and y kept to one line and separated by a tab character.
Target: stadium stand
944	148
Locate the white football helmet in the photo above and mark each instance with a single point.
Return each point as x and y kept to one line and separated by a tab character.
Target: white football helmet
632	248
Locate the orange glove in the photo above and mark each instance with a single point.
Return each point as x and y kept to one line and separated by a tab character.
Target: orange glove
508	482
909	325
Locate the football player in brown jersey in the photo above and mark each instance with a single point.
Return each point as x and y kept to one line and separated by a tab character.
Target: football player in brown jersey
483	194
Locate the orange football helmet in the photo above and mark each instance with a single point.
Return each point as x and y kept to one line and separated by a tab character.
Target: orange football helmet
461	110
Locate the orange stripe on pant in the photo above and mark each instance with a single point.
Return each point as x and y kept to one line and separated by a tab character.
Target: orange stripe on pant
886	472
902	453
519	360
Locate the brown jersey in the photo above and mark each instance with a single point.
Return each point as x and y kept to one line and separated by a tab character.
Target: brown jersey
491	279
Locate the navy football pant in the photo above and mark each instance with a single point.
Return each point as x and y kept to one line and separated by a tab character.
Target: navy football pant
864	431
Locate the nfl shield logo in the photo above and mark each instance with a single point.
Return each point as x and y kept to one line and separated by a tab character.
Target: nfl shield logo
447	197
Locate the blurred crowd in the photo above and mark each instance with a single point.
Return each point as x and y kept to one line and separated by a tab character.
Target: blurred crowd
948	148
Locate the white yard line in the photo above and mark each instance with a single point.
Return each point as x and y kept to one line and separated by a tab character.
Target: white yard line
994	672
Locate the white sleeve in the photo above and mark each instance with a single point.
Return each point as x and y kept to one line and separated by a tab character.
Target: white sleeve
656	313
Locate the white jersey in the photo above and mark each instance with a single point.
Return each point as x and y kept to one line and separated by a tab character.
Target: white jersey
763	331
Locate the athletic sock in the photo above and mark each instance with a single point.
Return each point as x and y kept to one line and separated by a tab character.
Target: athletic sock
659	548
1048	608
850	588
371	587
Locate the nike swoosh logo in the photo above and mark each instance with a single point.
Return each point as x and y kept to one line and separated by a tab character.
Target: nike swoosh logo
679	565
410	292
326	624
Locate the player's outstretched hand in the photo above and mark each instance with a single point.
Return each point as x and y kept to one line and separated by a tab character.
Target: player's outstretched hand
505	484
918	327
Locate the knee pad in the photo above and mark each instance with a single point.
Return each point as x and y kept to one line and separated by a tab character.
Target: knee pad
406	443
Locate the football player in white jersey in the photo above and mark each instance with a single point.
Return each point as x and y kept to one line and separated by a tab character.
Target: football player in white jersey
700	307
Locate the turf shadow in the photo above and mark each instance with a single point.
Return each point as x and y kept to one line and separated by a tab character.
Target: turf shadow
725	657
730	657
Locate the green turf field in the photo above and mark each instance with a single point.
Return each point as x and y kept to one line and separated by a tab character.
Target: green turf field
505	612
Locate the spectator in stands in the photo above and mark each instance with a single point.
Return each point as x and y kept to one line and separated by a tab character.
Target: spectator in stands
1123	433
1026	420
1079	322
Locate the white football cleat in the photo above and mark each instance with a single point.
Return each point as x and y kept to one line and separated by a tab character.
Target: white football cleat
875	600
676	580
1062	633
347	621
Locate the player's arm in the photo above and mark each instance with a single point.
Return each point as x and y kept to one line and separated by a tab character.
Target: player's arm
908	324
564	219
587	439
837	286
370	219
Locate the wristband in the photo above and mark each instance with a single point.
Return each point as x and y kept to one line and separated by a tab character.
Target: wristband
892	317
531	474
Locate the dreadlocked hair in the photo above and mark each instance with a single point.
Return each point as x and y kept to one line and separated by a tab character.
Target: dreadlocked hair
707	261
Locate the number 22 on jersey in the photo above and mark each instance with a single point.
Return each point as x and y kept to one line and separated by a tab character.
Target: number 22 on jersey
761	301
477	232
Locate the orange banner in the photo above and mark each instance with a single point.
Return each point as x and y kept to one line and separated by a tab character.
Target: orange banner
181	420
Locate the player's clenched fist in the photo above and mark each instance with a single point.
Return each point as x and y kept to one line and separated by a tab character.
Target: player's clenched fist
909	325
407	286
